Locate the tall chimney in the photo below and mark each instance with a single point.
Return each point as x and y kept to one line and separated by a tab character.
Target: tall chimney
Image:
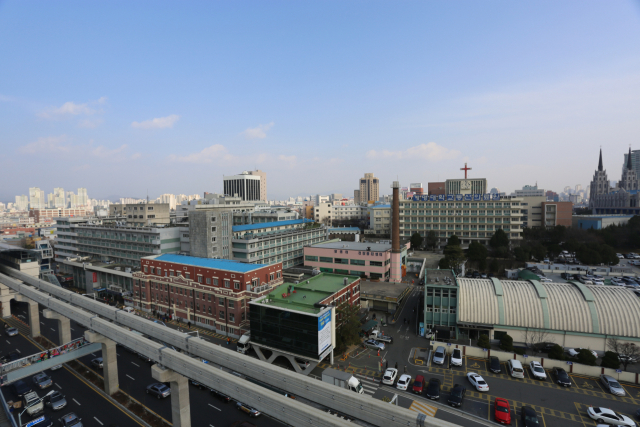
395	273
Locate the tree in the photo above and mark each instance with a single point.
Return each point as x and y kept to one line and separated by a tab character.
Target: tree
506	342
534	338
416	241
348	329
478	252
499	239
586	357
483	341
610	360
494	266
455	257
453	241
432	239
521	254
326	221
628	353
556	352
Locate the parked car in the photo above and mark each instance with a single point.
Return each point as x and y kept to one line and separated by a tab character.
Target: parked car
389	376
42	380
456	357
607	416
12	332
433	389
529	417
562	378
20	388
374	345
159	390
55	400
514	368
502	411
537	371
573	352
97	362
620	256
418	384
70	420
42	421
494	365
247	409
612	385
439	355
545	280
477	381
456	396
403	382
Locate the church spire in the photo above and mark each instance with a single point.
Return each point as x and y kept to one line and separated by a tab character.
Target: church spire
629	160
600	162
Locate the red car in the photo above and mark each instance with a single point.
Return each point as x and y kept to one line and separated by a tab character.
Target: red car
502	411
418	384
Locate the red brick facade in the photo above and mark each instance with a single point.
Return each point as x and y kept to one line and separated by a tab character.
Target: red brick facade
561	213
211	297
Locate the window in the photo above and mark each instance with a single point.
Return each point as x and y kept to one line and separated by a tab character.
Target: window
310	258
171	273
215	281
213	239
222	314
221	302
209	309
213	219
150	208
188	275
236	285
213	229
375	263
199	279
232	317
227	284
208	280
145	268
152	270
165	273
232	304
208	297
149	216
326	259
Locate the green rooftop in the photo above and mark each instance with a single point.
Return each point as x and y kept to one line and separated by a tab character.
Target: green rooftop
307	293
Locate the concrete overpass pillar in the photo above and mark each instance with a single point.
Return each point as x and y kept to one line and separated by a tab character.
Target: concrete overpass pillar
32	314
64	327
109	361
180	409
5	298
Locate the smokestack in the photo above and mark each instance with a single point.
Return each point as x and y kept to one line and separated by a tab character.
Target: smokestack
395	218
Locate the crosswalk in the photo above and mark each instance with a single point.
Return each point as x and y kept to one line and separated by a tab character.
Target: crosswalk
369	386
423	408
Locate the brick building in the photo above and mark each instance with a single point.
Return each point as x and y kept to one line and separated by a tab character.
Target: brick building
557	213
212	293
46	215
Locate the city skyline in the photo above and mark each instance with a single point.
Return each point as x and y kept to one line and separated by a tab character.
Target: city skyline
398	91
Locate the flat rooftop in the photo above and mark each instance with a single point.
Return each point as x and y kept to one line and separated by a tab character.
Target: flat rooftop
258	226
307	293
339	229
382	289
218	264
432	274
355	246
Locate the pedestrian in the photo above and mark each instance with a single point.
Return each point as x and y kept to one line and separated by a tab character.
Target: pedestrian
396	366
387	365
405	369
228	341
189	324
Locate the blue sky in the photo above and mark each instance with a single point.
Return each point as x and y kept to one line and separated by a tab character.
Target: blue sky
122	97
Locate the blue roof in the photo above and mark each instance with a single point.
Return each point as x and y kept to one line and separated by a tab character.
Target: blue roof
219	264
270	224
380	206
338	229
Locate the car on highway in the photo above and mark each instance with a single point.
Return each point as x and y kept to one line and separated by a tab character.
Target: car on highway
11	357
41	421
374	345
55	368
573	352
159	390
220	396
502	411
607	416
456	396
433	389
389	376
403	382
537	371
612	385
20	388
97	362
494	365
42	380
70	420
529	417
439	355
456	357
55	400
477	381
12	332
247	409
562	378
418	384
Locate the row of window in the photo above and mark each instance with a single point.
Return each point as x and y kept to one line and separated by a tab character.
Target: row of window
434	205
441	310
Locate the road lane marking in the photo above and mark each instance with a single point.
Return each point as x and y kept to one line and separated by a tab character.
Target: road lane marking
8	342
134	364
18	351
100	422
76	401
52	329
214	407
118	354
130	377
42	323
73	329
58	386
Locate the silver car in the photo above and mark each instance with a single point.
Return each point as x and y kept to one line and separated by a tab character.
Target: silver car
612	385
374	345
12	332
42	380
439	355
56	400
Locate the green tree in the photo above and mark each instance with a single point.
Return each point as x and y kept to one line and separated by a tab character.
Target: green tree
506	342
610	360
455	257
499	239
556	352
432	239
586	357
494	266
348	329
522	254
483	341
453	241
443	264
416	241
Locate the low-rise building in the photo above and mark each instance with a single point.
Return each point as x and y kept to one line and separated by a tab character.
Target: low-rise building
47	215
142	214
379	220
598	222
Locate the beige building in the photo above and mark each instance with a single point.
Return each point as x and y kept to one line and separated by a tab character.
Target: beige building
322	211
532	211
143	214
379	220
369	189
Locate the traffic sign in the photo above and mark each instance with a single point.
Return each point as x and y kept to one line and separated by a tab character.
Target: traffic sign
448	343
569	363
525	356
484	349
618	370
34	422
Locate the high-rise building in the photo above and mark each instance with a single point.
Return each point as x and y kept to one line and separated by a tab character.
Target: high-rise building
83	198
369	189
249	186
22	202
169	199
36	198
58	198
635	161
416	188
578	188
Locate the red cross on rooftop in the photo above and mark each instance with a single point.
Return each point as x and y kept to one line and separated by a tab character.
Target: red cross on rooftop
465	169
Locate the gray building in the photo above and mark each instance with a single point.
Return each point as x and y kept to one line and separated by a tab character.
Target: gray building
248	185
142	214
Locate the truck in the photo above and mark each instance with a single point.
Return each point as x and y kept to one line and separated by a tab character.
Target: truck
342	379
377	335
243	344
33	404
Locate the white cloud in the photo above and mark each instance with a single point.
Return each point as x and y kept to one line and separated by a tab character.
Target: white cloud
207	155
136	156
157	123
46	145
90	124
259	132
429	151
103	152
289	161
70	108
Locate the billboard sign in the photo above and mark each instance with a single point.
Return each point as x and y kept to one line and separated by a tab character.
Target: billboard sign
324	331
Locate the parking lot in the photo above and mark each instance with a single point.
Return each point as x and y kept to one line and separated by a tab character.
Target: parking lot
554	404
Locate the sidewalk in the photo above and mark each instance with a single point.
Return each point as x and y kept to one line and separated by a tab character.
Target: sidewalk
207	334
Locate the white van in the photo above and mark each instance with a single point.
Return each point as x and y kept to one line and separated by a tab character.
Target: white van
515	368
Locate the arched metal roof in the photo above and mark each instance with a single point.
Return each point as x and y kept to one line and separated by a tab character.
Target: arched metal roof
571	307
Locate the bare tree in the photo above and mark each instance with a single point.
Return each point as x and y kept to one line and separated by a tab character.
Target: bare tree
628	353
326	221
535	338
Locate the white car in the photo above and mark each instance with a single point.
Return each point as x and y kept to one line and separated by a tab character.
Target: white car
573	352
545	280
456	357
598	282
617	282
607	416
389	376
537	371
404	382
478	382
620	256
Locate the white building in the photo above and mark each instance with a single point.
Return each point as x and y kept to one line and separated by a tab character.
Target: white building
529	191
36	198
349	212
249	185
22	203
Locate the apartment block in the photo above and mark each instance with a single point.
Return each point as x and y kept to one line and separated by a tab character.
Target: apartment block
142	214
